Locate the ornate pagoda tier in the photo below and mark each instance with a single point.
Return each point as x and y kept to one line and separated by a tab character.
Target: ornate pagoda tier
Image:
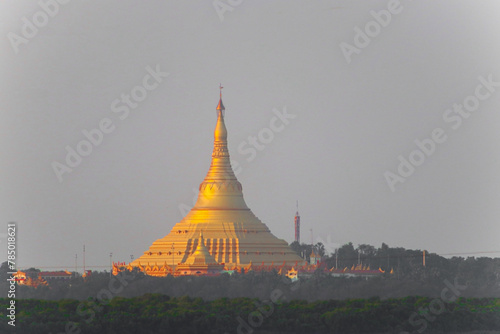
233	235
199	263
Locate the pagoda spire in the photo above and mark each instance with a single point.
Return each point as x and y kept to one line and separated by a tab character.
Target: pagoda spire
220	106
220	189
201	248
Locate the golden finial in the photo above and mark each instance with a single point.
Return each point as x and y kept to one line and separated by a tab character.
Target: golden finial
220	106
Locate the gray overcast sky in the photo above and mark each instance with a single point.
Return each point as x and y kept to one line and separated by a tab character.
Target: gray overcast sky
352	121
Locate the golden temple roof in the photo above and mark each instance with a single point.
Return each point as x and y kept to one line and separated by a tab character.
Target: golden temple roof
201	255
232	234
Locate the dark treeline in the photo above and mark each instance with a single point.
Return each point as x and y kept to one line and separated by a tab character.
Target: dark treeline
155	313
319	286
408	263
480	276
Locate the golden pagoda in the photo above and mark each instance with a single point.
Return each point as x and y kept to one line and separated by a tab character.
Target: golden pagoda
200	262
233	235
